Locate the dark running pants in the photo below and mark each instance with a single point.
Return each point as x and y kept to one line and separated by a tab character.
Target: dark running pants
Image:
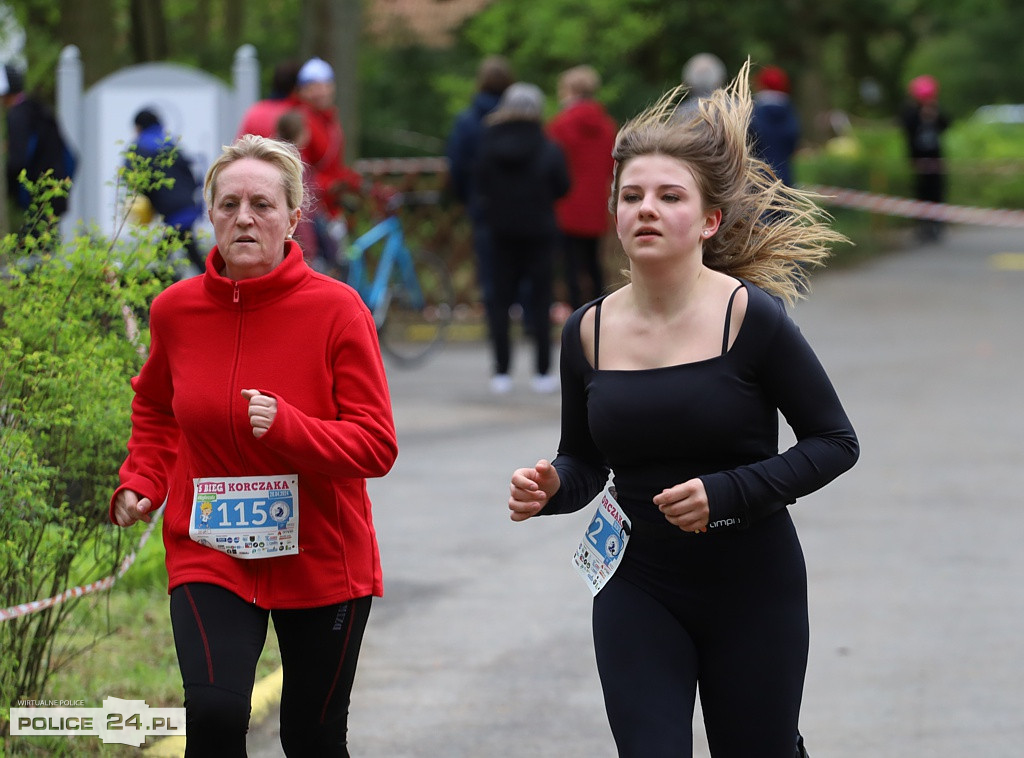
725	612
219	638
522	262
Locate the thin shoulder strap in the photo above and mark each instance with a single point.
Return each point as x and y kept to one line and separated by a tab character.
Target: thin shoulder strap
728	320
597	331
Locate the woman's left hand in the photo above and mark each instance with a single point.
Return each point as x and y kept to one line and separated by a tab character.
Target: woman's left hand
262	410
685	505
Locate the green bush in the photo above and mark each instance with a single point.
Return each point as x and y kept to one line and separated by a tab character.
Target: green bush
985	163
65	397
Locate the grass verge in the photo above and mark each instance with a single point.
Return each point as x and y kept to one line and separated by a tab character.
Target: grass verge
119	644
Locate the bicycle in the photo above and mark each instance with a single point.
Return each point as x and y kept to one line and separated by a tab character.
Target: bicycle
409	292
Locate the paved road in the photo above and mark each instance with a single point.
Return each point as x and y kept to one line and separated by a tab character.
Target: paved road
482	647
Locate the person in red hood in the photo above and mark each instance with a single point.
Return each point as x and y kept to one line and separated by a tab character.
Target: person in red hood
586	134
261	117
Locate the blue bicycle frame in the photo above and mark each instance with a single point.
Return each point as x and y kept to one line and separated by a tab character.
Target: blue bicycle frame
377	293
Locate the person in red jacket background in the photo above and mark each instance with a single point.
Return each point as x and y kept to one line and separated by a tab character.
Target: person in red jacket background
586	134
260	442
261	117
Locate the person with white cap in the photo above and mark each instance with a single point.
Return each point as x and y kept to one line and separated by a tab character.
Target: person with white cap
324	151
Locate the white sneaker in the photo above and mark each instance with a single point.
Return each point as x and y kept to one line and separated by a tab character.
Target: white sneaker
501	384
544	384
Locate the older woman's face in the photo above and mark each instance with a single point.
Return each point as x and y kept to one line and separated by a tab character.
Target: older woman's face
251	219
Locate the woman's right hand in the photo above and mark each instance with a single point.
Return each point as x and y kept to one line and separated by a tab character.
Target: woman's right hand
130	508
531	489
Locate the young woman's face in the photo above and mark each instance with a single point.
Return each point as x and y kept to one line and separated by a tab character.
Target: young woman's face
659	210
250	216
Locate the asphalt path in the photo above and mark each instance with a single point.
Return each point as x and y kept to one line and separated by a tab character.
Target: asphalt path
481	645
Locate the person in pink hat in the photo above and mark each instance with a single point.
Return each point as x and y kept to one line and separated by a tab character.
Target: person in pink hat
923	124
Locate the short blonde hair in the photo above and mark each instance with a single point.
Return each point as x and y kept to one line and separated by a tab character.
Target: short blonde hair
581	81
284	156
770	233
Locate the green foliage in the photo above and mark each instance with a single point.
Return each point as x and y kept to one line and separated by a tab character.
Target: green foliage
407	111
984	162
65	398
625	41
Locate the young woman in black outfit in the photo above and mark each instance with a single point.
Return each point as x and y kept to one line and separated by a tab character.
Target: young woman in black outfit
673	383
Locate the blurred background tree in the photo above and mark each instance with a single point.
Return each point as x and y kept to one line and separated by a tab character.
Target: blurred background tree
405	67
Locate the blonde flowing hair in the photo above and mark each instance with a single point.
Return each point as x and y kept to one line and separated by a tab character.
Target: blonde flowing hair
770	234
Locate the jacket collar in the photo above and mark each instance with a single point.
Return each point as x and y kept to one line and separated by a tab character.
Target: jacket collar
250	294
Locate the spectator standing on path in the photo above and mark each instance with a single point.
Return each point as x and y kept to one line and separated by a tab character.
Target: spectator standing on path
35	144
520	173
179	203
923	124
674	383
493	78
261	117
259	414
586	134
774	123
325	154
702	75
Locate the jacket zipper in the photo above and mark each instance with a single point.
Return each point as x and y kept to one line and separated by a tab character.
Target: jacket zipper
236	298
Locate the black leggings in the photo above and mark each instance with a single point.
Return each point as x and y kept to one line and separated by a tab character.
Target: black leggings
219	638
725	612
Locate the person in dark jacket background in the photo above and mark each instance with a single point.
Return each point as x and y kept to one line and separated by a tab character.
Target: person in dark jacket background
520	174
493	78
586	134
35	144
774	123
178	203
923	124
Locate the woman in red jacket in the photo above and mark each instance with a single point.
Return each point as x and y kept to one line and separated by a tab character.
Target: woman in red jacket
260	412
586	134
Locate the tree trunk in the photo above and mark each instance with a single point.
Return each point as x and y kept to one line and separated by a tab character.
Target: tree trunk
89	27
148	30
345	33
331	30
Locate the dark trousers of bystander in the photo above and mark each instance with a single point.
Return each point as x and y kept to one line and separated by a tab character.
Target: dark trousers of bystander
584	278
519	262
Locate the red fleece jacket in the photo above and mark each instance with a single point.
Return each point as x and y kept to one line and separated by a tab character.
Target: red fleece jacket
586	134
309	341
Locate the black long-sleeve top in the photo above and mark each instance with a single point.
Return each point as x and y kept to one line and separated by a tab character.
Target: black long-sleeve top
715	419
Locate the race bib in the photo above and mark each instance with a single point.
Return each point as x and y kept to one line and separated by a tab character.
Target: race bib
246	516
603	544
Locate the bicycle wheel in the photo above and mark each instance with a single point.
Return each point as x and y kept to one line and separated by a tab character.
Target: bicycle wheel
419	309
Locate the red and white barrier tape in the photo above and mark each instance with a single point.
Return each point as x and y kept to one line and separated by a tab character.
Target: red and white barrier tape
26	609
846	198
379	166
901	206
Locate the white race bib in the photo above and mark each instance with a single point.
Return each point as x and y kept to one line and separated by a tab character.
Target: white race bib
246	516
603	544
